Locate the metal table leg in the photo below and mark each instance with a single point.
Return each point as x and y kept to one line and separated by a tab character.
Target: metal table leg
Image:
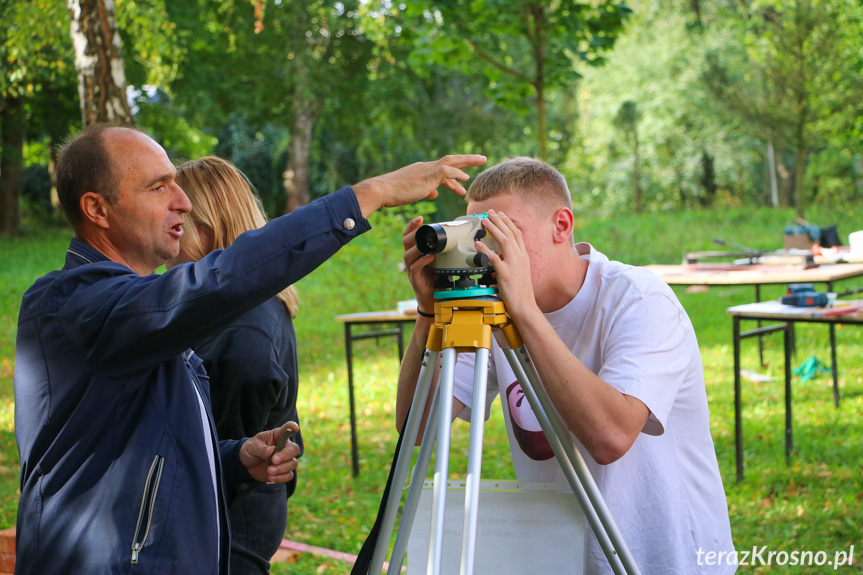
398	332
355	457
789	441
760	340
738	419
833	366
738	426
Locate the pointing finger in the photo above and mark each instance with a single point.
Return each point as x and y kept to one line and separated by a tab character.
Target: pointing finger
463	160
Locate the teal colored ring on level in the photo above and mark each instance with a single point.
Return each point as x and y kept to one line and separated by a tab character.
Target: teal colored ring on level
468	292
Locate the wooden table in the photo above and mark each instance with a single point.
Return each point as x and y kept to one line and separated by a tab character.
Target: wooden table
724	274
851	312
778	257
375	319
720	274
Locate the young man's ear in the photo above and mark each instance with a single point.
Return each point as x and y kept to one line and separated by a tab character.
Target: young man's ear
563	224
94	209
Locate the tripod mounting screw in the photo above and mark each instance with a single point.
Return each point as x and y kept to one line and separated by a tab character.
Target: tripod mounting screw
464	282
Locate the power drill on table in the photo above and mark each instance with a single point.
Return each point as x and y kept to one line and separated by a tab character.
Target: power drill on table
803	295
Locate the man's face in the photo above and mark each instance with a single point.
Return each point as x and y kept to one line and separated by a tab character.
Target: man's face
145	222
536	232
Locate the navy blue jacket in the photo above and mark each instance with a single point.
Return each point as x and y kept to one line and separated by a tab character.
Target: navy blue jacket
254	374
115	475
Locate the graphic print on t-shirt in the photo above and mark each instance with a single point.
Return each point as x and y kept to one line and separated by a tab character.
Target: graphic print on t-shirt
525	426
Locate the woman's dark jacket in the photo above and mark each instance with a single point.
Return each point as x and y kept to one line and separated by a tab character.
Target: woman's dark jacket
252	366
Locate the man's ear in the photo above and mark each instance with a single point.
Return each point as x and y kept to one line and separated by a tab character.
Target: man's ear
563	224
94	209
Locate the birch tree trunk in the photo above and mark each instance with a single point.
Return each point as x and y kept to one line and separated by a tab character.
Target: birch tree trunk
771	167
307	106
299	157
99	62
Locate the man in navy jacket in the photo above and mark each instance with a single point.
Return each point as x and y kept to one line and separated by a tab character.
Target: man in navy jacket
121	470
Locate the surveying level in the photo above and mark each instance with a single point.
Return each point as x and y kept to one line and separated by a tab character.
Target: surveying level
456	260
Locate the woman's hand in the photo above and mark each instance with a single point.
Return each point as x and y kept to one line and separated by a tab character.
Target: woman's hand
270	456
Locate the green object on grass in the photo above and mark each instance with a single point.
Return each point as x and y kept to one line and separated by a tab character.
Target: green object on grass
810	368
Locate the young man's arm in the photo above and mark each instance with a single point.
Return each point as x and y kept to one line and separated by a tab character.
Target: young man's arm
416	265
605	420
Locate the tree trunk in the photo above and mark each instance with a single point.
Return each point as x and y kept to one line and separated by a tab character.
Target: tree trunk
771	167
800	172
52	174
696	10
785	180
802	106
99	62
54	140
708	178
539	82
567	125
858	173
299	157
636	171
543	131
11	164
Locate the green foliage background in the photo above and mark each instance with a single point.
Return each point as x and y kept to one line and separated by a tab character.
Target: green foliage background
397	83
407	82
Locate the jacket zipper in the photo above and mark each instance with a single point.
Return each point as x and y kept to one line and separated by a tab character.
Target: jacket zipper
148	501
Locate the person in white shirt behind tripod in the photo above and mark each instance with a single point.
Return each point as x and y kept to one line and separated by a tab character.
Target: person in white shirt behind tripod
619	359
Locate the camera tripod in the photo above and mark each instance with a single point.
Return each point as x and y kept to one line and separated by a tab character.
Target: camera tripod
466	325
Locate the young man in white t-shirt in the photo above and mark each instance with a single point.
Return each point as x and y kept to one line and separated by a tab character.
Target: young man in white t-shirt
617	356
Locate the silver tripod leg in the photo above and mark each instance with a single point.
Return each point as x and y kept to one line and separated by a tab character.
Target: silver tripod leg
416	487
402	464
474	461
439	421
441	471
572	463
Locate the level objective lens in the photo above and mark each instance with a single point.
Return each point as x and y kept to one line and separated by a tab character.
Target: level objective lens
431	239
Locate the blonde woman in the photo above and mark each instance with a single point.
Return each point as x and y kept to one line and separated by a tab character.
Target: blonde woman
253	363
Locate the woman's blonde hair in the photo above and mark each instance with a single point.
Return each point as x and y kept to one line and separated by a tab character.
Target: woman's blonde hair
224	203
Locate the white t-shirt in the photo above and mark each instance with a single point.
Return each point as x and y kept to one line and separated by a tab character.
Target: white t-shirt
665	494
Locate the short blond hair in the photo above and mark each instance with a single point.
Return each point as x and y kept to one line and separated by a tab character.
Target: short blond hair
224	202
543	186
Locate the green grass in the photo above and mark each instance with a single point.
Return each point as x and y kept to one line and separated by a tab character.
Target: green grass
812	504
